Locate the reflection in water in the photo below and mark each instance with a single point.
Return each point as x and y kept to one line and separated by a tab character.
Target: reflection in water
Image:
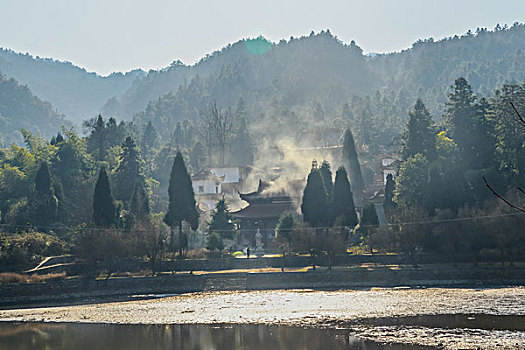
49	336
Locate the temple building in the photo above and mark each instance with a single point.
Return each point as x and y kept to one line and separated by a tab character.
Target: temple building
262	212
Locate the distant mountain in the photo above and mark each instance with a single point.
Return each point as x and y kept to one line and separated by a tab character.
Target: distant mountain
19	108
72	91
311	79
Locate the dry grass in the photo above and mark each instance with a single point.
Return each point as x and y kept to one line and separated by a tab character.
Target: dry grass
11	277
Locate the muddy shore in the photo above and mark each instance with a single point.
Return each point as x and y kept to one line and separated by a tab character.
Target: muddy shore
359	311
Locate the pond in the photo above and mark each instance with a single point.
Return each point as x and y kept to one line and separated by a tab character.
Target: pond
66	336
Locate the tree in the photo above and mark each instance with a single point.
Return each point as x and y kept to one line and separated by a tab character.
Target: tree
343	202
129	171
139	210
149	140
390	188
315	201
351	162
221	222
197	157
326	174
469	127
242	148
219	125
419	134
104	209
412	181
369	221
284	229
45	206
182	206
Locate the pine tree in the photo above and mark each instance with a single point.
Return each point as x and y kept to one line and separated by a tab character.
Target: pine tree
182	205
43	185
315	202
104	209
343	203
351	162
419	135
129	171
221	221
468	126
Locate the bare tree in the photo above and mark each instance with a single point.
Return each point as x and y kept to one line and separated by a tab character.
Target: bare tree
218	127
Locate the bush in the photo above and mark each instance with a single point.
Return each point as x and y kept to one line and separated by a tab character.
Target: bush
24	250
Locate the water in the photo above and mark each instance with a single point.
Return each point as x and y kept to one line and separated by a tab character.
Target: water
66	336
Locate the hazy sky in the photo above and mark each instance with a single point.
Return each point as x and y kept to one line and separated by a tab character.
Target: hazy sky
119	35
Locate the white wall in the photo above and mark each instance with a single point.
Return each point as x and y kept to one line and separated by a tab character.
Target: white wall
206	187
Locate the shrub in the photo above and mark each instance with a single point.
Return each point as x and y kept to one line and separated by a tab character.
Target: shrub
24	250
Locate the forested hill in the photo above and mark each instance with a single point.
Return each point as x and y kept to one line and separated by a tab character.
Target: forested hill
20	109
72	90
319	79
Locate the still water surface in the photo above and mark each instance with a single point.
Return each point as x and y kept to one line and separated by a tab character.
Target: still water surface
66	336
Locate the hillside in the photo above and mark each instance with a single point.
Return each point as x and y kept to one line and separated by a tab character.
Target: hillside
72	90
321	81
19	108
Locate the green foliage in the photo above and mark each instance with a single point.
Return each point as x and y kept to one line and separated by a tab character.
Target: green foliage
284	228
419	134
351	162
412	182
343	203
221	220
129	172
25	250
104	208
214	241
369	217
182	205
315	200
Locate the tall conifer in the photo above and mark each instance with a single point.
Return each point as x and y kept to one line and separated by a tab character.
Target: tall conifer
343	202
351	162
182	205
104	210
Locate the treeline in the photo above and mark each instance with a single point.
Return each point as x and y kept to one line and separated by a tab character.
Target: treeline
439	202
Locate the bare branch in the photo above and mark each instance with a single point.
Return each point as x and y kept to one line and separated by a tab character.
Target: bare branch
500	197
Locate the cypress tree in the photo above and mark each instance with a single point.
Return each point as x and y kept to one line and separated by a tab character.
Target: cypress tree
129	171
419	136
390	187
351	162
315	201
45	206
343	203
104	210
182	205
369	220
149	140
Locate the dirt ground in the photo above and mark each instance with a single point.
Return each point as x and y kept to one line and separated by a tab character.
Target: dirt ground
341	309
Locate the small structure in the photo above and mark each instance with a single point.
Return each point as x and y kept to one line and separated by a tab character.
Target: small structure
207	188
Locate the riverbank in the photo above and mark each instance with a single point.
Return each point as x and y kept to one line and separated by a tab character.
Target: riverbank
357	277
358	311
